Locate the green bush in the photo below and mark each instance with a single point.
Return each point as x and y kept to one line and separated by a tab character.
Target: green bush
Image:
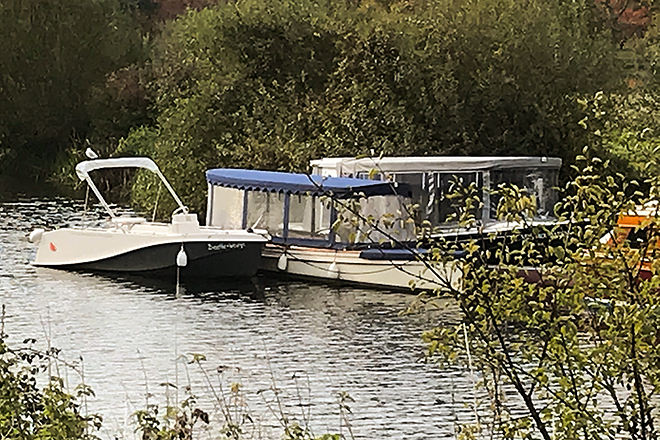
31	412
274	84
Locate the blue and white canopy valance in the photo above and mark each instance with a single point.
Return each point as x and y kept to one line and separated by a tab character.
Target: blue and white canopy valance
294	183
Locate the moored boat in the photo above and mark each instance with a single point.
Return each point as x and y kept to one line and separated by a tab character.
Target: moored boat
433	179
334	229
637	236
134	245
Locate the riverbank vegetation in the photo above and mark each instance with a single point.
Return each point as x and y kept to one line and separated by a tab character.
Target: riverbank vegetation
579	349
31	411
274	84
37	404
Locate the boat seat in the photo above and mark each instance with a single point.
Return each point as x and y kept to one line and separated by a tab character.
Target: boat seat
128	220
392	254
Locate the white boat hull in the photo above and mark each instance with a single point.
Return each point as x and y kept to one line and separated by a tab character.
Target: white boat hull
151	249
347	266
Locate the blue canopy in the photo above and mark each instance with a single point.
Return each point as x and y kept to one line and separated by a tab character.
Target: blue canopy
292	183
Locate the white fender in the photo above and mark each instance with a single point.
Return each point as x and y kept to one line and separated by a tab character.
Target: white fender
35	236
182	258
333	270
282	262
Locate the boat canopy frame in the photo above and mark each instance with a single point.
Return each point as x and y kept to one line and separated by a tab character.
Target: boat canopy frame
297	183
290	184
84	168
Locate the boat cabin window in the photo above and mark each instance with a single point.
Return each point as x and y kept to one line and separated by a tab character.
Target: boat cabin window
448	184
639	238
226	208
309	217
536	182
265	210
419	195
430	191
381	219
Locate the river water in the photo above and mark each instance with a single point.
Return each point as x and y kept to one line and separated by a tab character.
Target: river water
311	340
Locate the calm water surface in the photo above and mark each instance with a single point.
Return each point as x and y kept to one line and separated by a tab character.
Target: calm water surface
313	340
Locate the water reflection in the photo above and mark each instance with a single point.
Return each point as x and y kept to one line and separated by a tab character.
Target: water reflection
130	331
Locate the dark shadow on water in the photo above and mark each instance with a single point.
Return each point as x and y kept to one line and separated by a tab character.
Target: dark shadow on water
338	285
206	289
243	289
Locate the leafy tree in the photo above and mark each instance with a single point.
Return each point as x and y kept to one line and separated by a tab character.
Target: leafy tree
53	53
271	85
580	348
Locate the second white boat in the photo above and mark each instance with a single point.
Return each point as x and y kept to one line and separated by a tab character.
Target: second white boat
329	228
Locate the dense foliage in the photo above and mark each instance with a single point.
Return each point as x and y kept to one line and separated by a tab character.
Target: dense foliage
53	54
272	85
30	411
579	349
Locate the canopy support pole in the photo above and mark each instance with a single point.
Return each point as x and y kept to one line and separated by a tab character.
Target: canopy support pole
98	195
285	218
245	209
183	208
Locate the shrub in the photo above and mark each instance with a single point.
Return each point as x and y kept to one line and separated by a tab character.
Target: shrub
32	412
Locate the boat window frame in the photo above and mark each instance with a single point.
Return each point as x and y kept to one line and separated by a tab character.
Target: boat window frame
284	238
481	178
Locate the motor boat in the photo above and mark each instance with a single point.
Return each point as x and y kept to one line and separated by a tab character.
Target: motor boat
131	244
636	237
338	229
433	179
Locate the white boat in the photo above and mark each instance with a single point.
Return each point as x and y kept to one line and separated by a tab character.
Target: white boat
431	179
135	245
342	229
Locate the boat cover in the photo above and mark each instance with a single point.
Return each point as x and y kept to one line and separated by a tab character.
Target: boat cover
293	183
401	254
439	164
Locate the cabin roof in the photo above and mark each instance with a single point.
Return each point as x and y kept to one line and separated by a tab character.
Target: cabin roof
436	163
293	183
